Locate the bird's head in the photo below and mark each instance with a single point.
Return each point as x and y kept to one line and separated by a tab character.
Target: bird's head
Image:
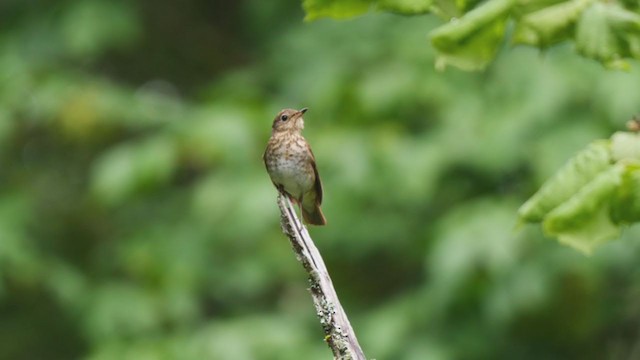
289	120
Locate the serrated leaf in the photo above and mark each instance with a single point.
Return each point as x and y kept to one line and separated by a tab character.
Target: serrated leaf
579	171
575	212
549	25
478	52
625	25
594	37
472	41
337	9
625	207
458	31
583	221
596	231
622	19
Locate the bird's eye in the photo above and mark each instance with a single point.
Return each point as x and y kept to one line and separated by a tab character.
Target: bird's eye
284	117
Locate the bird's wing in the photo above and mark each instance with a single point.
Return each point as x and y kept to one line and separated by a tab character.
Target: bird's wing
318	184
264	160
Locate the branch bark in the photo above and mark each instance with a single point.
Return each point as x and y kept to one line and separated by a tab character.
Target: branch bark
339	334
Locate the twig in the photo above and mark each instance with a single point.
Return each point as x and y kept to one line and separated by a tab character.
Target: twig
339	334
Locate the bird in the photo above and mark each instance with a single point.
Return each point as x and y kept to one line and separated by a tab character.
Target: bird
292	166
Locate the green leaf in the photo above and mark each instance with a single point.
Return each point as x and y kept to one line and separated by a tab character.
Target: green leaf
550	24
625	146
594	38
596	230
337	9
626	26
625	208
609	33
406	7
457	31
583	221
622	19
471	42
579	171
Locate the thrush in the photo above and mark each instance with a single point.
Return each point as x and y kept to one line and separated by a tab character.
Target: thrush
292	166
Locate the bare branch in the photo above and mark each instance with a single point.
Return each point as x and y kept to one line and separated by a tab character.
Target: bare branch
339	334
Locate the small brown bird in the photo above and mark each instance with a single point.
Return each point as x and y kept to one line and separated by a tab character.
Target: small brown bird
292	166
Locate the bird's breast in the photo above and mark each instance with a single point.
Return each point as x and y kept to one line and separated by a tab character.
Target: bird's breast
288	162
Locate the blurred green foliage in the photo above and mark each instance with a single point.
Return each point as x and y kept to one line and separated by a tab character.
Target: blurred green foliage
137	220
607	31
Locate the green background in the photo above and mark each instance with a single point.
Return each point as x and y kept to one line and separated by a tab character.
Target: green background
137	220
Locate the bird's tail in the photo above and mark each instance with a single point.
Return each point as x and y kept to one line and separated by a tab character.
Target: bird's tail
313	215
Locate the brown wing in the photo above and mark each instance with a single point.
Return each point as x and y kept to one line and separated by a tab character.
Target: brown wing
318	184
264	160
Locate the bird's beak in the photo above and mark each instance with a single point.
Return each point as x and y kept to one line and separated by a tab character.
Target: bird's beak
302	111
